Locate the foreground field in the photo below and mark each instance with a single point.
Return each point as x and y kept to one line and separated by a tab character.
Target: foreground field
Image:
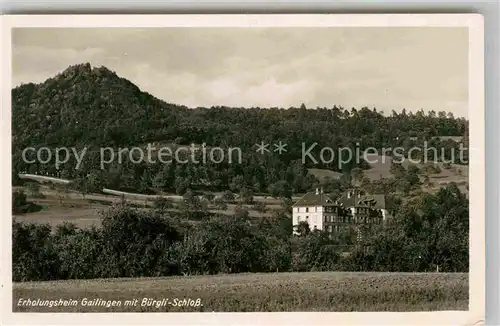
314	291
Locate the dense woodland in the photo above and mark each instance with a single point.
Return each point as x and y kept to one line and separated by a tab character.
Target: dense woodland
426	232
93	108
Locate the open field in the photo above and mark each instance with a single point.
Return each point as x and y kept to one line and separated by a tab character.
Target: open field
84	212
381	166
322	174
268	200
313	291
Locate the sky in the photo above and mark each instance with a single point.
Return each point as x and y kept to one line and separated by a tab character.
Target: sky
386	68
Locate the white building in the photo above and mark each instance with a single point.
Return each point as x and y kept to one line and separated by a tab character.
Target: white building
355	207
310	209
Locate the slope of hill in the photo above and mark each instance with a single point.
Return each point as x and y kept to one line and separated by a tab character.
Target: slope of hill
90	105
94	107
85	105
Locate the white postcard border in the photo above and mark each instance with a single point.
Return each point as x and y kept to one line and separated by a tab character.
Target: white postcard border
476	312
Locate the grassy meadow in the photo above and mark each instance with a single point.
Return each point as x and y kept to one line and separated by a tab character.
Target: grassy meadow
380	167
312	291
57	207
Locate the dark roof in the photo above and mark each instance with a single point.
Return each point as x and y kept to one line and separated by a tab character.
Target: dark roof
374	201
358	199
313	199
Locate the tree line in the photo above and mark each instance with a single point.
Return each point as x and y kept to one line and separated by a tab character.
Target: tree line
93	107
428	231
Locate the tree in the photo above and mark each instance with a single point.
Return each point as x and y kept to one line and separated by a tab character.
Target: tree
141	237
19	202
260	207
315	252
16	181
429	230
209	197
163	203
159	181
287	204
241	212
280	189
246	196
181	185
431	168
34	257
34	188
398	170
192	203
228	196
278	256
88	184
357	174
237	183
302	229
220	204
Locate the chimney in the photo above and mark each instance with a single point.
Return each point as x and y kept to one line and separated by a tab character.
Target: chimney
321	189
317	191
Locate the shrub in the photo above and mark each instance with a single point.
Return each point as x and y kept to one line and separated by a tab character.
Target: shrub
34	257
20	205
163	203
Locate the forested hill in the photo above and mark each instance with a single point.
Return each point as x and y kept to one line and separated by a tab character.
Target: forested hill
85	105
94	106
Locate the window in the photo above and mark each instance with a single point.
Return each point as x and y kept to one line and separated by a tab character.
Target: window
307	209
316	209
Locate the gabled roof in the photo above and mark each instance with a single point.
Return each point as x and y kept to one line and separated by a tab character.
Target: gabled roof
313	199
322	199
373	201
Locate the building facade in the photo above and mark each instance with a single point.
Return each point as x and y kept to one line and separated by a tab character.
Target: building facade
354	208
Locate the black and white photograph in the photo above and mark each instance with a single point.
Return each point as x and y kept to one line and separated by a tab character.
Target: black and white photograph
247	168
